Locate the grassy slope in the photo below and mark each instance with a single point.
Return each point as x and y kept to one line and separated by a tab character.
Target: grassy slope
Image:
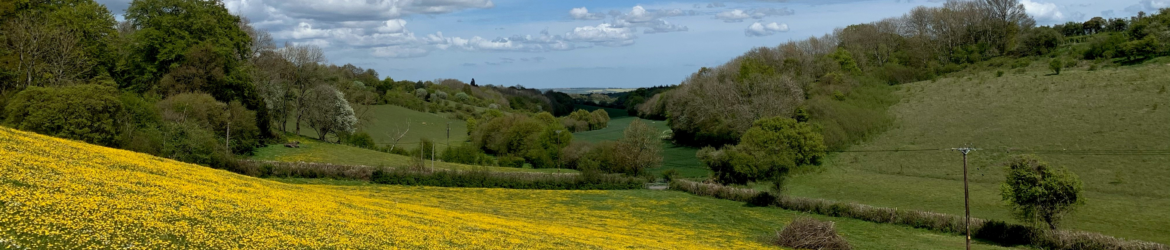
679	158
317	151
56	193
1126	108
385	118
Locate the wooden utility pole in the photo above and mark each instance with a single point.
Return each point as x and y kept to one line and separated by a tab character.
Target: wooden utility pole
966	196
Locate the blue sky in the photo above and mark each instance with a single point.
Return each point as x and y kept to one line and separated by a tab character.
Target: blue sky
555	44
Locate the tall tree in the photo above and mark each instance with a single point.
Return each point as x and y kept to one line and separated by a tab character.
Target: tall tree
168	29
305	73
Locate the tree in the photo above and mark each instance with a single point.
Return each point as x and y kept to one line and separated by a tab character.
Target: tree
168	29
304	74
1039	192
768	151
400	130
641	147
330	112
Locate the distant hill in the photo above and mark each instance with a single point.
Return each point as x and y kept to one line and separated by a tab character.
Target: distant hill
590	90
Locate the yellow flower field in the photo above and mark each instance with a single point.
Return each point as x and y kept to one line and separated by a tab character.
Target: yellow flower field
57	193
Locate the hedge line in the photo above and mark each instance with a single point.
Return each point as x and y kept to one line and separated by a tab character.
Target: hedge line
588	180
995	231
484	178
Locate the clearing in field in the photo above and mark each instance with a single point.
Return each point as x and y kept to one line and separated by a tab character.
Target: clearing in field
57	193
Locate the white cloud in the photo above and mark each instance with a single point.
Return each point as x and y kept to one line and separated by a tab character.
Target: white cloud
583	14
640	17
733	16
639	14
759	29
738	15
662	26
602	34
1042	11
373	25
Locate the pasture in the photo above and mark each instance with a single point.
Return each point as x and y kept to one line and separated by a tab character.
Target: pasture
1095	123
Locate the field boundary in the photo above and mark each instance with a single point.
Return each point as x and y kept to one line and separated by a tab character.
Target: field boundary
998	232
483	178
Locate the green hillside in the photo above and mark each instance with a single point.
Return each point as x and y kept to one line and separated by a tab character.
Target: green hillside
1066	119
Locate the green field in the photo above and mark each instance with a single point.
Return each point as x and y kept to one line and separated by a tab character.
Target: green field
385	119
1080	111
662	208
316	151
679	158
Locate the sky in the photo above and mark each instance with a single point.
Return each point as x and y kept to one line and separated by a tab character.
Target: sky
583	43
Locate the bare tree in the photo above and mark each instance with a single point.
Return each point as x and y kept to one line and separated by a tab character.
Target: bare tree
400	131
26	37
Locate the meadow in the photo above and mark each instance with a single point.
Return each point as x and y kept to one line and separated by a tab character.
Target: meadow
1087	121
385	120
56	193
674	157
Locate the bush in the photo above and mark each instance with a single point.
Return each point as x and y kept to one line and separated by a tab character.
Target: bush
809	233
670	175
767	151
82	112
1055	65
1040	193
999	73
359	139
202	110
467	154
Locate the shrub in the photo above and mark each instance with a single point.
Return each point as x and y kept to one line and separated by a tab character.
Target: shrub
82	112
767	151
999	73
809	233
359	139
462	97
1055	65
670	175
1040	193
511	161
467	154
420	93
204	111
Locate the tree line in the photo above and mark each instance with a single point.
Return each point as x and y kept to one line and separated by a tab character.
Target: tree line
188	80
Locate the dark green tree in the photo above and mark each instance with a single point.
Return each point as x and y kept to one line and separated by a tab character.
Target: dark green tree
766	152
1039	192
168	31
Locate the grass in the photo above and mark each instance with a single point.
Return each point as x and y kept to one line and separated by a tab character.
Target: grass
386	119
77	195
316	151
1122	108
676	157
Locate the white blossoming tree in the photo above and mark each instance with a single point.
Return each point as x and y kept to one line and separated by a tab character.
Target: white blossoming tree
330	112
